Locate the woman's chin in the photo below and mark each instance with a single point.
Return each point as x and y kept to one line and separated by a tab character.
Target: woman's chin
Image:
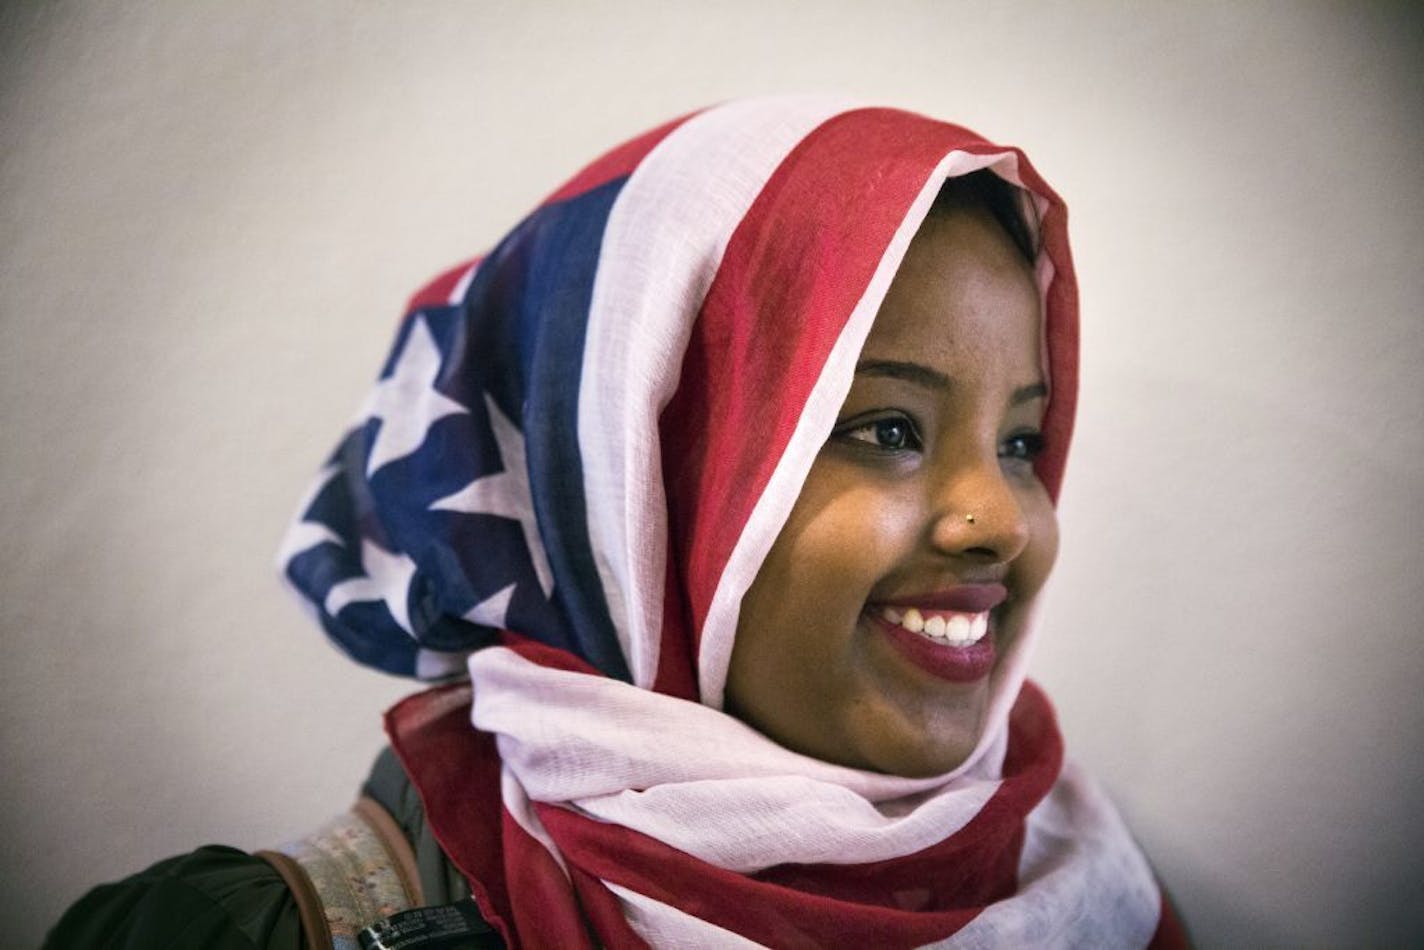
924	744
937	759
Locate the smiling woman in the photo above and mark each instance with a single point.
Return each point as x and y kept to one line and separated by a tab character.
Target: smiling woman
922	534
721	492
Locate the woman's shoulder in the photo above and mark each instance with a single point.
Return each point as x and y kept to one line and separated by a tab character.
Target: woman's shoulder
218	896
215	896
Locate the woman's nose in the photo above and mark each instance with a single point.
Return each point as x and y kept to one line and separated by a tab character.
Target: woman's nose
977	514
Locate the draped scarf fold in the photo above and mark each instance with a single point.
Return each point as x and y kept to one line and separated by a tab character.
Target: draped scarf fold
576	458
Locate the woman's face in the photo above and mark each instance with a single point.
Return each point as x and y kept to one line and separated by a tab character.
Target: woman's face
922	534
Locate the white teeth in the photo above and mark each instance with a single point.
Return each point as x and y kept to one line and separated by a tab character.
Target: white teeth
955	629
958	629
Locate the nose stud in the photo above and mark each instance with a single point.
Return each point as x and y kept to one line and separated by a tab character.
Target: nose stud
969	518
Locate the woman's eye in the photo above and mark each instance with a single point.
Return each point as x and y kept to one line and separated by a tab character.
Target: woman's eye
1025	446
894	433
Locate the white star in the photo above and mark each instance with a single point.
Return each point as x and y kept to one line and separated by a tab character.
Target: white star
505	493
406	401
388	578
491	610
304	535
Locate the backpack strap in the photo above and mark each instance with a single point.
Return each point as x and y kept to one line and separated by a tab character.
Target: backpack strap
353	871
310	911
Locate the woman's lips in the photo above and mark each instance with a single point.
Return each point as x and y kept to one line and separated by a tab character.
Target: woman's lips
967	598
945	633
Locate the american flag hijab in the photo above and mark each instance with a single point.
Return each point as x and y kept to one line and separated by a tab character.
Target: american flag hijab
576	458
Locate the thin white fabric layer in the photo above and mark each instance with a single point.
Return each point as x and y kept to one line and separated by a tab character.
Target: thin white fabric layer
711	786
663	243
718	790
1083	882
1103	897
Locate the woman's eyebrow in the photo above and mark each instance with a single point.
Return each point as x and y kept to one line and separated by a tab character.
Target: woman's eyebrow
933	379
910	372
1029	393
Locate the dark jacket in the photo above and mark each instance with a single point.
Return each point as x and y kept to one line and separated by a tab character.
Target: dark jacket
220	897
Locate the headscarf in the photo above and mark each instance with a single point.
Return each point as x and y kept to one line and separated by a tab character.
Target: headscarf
576	459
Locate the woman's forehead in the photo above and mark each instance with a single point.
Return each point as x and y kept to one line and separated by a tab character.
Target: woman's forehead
961	286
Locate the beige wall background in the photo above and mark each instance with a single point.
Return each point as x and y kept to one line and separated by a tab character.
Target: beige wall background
211	213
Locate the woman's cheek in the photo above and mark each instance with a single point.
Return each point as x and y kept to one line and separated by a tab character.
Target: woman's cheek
855	541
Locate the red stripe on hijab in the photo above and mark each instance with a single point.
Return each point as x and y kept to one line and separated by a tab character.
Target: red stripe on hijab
455	771
546	913
616	162
792	273
437	292
884	903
